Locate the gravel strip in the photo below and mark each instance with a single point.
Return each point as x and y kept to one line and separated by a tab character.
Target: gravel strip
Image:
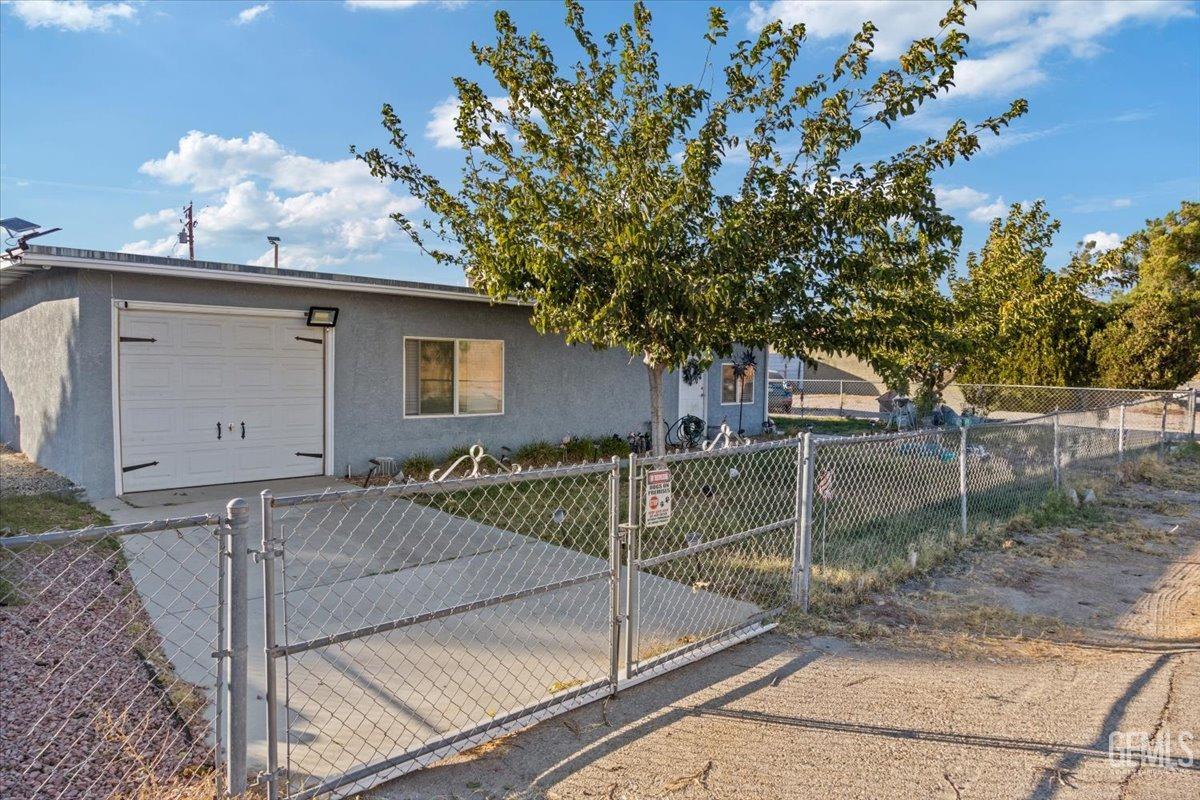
19	475
86	708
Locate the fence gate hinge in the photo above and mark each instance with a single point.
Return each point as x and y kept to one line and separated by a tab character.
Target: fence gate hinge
222	653
263	777
274	550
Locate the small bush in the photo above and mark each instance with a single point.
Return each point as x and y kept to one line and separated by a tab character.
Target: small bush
578	450
610	446
418	467
538	454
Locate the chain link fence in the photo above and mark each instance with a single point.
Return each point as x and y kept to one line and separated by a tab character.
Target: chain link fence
887	505
870	400
402	624
107	640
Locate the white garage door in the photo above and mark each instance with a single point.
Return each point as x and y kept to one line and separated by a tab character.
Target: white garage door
218	398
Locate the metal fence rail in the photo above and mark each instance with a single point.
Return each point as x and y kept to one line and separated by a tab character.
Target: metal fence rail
415	621
406	623
722	563
861	398
107	645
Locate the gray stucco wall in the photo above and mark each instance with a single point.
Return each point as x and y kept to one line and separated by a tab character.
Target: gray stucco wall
56	390
57	371
39	403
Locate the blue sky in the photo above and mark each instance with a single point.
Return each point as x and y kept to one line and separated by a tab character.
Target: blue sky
114	114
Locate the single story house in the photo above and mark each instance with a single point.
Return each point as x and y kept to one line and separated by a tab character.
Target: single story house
129	372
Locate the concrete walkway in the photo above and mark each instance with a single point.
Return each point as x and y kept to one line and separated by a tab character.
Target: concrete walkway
359	564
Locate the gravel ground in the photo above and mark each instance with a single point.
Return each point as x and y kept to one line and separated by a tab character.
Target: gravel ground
86	709
19	475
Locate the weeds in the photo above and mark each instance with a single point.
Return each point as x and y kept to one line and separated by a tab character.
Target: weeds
38	513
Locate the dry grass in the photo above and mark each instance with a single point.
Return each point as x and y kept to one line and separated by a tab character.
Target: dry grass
190	783
1180	470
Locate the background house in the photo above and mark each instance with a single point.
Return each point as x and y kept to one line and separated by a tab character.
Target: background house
128	372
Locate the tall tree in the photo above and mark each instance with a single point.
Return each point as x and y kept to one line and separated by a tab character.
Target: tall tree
1152	339
925	349
675	220
1029	323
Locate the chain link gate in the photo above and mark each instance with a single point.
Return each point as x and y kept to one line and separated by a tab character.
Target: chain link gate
719	568
411	622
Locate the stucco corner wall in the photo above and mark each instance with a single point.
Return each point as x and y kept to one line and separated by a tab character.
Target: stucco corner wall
40	399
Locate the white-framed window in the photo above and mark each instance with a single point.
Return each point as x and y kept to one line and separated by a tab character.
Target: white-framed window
735	390
453	377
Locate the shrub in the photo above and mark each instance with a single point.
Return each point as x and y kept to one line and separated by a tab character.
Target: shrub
418	467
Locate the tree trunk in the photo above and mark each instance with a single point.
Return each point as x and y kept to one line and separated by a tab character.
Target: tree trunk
658	434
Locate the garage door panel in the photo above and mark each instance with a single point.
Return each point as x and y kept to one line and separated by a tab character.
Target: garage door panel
155	327
254	336
300	375
147	375
202	374
208	335
295	339
208	369
284	421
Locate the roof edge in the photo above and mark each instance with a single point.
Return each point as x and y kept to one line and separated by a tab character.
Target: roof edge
13	269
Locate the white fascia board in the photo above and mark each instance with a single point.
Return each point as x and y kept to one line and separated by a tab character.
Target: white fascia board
41	260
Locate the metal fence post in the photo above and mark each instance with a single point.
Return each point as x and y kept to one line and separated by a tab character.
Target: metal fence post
1121	434
632	545
1057	464
235	612
841	396
1162	430
268	565
802	534
1191	412
614	568
962	475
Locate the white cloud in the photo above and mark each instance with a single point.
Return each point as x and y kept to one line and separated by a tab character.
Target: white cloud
156	219
1010	41
398	5
1103	240
951	198
326	211
248	15
987	213
71	15
440	128
1009	138
1090	205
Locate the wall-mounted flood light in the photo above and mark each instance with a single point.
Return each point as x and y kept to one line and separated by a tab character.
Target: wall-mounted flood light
322	316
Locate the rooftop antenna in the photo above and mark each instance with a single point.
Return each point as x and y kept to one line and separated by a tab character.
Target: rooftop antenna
274	240
188	234
20	231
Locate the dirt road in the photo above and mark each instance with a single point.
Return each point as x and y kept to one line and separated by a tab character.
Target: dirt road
1004	675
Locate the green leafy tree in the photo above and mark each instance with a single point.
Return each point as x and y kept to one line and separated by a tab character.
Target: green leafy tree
1152	338
925	350
675	220
1028	323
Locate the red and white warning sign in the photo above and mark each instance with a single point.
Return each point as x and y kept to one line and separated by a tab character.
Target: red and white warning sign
658	498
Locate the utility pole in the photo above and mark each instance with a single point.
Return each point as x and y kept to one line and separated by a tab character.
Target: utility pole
188	234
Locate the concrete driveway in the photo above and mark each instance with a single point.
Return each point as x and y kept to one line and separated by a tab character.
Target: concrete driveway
360	564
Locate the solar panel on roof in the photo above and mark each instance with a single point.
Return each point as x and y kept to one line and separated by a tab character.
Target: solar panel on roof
16	225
